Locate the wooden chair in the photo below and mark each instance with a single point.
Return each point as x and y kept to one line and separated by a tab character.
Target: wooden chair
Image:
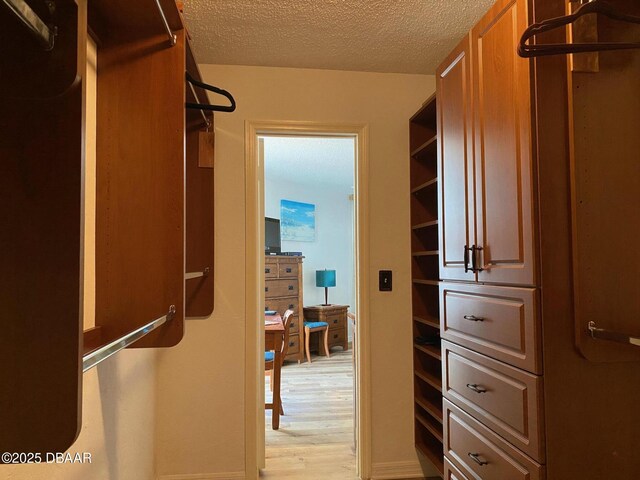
309	328
270	356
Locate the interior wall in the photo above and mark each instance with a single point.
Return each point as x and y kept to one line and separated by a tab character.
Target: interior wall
201	400
118	396
333	247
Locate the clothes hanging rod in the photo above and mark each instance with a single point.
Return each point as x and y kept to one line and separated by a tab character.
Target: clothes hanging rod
204	115
173	39
602	334
192	275
33	22
92	359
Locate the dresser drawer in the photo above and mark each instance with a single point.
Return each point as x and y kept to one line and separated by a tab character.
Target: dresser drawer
451	472
270	270
337	338
500	322
479	453
338	321
294	344
287	270
505	399
294	326
281	288
281	305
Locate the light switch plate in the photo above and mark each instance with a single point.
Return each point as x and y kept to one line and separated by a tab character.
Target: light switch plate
385	283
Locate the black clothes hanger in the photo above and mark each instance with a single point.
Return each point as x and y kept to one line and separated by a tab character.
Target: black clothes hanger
593	7
211	88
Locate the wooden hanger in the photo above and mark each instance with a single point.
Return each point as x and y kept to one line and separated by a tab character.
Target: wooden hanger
593	7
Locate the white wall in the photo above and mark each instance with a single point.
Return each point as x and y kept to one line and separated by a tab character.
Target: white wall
201	400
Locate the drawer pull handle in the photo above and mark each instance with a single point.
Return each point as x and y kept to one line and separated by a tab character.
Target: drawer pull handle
288	270
476	458
267	270
290	287
335	336
476	388
473	318
266	289
335	321
291	344
291	306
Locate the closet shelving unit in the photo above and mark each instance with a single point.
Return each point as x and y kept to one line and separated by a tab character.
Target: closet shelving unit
427	361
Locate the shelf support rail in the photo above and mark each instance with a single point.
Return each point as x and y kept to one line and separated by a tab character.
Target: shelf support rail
33	22
173	39
192	275
602	334
93	358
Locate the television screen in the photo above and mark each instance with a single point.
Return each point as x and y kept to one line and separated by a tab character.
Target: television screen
272	235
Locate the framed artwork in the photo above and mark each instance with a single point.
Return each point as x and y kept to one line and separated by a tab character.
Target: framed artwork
297	221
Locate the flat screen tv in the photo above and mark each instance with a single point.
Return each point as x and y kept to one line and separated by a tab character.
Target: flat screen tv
272	236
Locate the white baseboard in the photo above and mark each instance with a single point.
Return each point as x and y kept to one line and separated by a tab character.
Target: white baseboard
396	470
205	476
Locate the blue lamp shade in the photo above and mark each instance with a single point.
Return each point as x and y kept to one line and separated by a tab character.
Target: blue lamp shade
325	278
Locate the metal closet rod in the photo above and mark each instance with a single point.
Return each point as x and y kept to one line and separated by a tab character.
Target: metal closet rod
92	359
33	22
172	37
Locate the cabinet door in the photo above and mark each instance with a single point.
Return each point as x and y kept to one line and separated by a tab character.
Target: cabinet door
455	163
502	148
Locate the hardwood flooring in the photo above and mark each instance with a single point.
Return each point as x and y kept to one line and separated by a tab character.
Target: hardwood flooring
315	439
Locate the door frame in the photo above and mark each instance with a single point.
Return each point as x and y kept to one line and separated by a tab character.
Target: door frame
254	296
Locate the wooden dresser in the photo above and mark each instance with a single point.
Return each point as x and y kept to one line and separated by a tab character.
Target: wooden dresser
283	291
336	317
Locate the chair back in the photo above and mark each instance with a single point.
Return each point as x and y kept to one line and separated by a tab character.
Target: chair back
286	320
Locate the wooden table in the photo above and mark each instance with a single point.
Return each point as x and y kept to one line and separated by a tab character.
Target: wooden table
273	339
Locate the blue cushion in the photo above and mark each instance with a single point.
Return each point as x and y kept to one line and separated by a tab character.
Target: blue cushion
316	324
269	356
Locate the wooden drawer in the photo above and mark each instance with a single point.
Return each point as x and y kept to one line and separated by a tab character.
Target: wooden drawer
270	270
451	472
281	305
336	321
465	438
287	270
294	345
505	399
500	322
294	327
281	288
337	338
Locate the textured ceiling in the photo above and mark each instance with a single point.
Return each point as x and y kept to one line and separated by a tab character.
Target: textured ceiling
400	36
310	160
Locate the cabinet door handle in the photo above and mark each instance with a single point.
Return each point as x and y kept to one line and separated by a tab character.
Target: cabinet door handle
473	318
476	388
476	458
475	251
466	259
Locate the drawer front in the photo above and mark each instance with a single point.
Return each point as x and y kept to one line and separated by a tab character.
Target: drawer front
270	270
338	321
479	453
451	472
294	326
281	288
337	338
505	399
286	270
500	322
281	305
294	345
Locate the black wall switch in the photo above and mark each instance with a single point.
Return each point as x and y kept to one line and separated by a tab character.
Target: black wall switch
385	280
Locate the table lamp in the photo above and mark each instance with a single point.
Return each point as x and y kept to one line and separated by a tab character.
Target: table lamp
325	278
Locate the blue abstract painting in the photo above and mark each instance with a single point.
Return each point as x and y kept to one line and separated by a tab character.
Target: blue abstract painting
297	221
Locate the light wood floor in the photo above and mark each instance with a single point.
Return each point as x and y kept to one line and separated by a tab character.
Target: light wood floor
315	439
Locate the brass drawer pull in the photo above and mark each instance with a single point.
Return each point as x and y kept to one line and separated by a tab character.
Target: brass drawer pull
476	388
476	458
473	318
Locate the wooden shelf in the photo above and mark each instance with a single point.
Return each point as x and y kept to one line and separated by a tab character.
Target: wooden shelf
430	408
418	226
436	432
435	457
426	253
429	378
427	184
425	147
429	350
432	322
433	283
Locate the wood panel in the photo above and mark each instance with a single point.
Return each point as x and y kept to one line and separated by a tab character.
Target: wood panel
140	230
455	162
451	472
605	177
503	145
41	162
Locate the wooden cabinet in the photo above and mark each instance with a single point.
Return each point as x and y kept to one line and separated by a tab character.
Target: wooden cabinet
336	317
485	168
282	292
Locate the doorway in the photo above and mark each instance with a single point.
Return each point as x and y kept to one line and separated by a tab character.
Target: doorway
256	133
